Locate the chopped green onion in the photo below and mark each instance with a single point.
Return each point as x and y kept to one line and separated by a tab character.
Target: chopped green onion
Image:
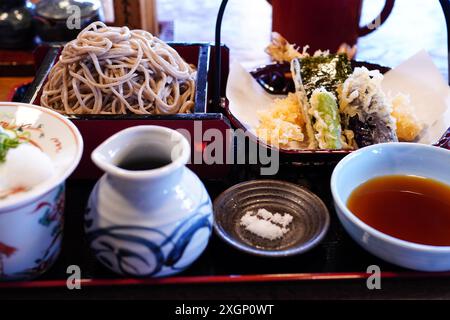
6	143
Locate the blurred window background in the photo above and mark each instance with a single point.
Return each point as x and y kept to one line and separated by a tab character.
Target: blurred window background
412	26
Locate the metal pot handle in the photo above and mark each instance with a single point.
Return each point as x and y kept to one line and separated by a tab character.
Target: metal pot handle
379	20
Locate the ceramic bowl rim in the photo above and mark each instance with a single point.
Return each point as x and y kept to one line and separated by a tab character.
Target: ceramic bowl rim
8	205
298	249
362	225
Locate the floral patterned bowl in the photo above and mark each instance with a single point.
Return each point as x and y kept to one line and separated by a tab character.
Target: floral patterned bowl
31	222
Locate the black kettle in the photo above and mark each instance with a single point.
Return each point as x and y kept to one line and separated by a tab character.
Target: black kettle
62	20
16	24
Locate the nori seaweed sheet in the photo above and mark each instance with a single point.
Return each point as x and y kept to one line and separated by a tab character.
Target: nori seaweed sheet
325	71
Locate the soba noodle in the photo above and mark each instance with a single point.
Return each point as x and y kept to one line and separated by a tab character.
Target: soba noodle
110	70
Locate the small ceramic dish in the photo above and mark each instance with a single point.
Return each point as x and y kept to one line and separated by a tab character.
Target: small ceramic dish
309	225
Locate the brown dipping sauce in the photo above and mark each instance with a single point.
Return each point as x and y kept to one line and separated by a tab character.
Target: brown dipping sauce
410	208
143	164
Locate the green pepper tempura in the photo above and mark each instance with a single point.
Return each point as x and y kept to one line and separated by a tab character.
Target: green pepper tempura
326	119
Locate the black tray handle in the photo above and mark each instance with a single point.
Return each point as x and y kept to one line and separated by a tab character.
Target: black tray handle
218	54
445	140
218	76
446	8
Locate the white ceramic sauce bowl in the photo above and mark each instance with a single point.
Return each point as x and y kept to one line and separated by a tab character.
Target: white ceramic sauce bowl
31	222
384	160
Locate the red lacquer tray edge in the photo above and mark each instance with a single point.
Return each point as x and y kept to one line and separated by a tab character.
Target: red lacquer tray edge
225	279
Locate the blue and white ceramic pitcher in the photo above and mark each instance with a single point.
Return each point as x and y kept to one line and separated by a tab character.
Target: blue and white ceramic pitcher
149	215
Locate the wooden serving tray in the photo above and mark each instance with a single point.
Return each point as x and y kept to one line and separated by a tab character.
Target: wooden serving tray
338	257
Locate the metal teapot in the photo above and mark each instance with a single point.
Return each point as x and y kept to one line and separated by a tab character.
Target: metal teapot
16	24
62	20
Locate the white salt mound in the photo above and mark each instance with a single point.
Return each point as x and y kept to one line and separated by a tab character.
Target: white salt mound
266	225
282	220
25	167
